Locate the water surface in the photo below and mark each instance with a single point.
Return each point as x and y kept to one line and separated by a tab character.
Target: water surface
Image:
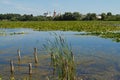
96	57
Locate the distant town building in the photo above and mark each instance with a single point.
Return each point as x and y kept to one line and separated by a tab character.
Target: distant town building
59	14
47	14
99	17
54	13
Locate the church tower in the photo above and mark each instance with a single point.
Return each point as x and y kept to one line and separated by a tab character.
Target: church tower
54	13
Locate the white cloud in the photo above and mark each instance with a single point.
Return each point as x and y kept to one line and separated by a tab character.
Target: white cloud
20	7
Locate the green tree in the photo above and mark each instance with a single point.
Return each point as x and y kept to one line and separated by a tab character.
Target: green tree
76	16
67	16
109	14
117	17
103	15
90	16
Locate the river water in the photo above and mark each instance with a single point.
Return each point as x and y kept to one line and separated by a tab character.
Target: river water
96	58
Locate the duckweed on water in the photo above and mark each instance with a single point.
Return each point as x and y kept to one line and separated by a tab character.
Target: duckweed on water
115	36
89	26
99	28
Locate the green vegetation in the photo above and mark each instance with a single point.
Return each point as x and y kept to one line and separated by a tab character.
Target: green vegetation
89	26
115	36
67	16
2	32
105	29
0	77
62	59
112	35
25	17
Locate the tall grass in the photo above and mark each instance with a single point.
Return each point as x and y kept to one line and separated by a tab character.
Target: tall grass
2	32
0	77
62	59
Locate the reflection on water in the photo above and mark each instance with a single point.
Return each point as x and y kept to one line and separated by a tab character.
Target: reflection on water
96	58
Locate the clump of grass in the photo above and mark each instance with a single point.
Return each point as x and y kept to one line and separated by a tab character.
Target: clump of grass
62	59
0	77
2	32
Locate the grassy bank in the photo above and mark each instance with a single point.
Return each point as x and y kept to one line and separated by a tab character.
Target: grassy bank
106	29
64	25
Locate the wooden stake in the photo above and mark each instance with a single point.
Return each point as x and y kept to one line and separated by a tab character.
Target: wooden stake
30	68
11	67
19	55
72	56
35	55
12	77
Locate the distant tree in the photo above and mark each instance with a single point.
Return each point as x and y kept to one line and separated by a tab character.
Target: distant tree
103	15
26	17
117	17
15	17
57	18
39	18
111	17
68	16
90	16
77	16
109	14
93	16
1	16
9	16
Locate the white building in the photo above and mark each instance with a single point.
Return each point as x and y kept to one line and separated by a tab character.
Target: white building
99	17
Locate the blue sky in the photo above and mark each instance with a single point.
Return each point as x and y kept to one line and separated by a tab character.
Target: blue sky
38	7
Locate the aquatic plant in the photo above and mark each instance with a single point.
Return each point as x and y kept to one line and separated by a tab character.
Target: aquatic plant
88	26
62	59
2	32
0	77
115	36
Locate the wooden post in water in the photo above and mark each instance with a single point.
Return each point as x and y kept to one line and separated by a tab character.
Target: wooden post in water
72	56
30	68
11	67
19	55
12	77
35	55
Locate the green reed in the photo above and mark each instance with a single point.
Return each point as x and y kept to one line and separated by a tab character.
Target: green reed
62	59
0	77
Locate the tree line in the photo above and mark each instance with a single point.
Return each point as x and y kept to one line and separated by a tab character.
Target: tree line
25	17
67	16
